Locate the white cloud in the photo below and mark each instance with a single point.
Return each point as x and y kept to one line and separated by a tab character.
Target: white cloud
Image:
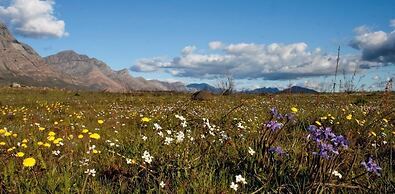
376	46
215	45
33	18
248	60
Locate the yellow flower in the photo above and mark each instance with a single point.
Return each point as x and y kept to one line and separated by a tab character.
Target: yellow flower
294	110
20	154
318	123
51	133
85	131
80	136
57	140
40	143
372	133
55	123
349	117
100	121
29	162
7	134
2	143
94	136
41	128
24	141
2	131
385	120
95	151
14	135
51	138
47	145
145	119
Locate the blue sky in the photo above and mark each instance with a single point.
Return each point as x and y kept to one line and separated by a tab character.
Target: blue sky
123	32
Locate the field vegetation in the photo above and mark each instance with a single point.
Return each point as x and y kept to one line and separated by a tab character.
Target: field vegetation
54	141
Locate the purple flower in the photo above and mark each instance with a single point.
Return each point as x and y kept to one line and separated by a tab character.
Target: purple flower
326	150
274	112
277	150
327	133
371	166
327	142
274	125
340	141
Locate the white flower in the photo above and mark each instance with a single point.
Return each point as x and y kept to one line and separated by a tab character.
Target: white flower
180	137
234	186
168	132
147	157
128	161
162	184
251	151
56	153
160	133
157	126
180	117
240	179
336	173
144	138
184	124
168	140
90	172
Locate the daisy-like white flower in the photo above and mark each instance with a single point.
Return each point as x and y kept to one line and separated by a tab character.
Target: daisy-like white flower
128	161
251	151
234	186
90	172
180	137
157	126
147	157
162	184
144	138
168	140
240	179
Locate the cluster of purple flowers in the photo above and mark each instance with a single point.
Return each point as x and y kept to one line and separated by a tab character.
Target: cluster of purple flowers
273	125
327	142
372	166
276	115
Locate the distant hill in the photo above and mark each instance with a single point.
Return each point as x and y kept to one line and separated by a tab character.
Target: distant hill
97	75
202	86
263	90
298	89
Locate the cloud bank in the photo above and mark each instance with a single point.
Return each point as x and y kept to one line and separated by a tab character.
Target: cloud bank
275	61
33	18
249	61
375	46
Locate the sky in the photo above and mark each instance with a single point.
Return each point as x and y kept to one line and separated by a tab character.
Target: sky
272	43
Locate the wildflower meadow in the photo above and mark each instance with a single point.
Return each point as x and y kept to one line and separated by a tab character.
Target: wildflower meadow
54	141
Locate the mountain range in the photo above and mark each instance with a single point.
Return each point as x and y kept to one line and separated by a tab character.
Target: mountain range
265	90
20	63
67	69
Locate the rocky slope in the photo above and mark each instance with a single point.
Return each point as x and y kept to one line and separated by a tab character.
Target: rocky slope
20	63
97	75
68	69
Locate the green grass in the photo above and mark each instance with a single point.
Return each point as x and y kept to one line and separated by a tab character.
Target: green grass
205	161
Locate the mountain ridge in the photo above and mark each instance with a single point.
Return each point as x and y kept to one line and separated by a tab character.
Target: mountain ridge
20	63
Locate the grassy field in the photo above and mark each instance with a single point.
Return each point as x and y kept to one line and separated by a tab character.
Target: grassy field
55	141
